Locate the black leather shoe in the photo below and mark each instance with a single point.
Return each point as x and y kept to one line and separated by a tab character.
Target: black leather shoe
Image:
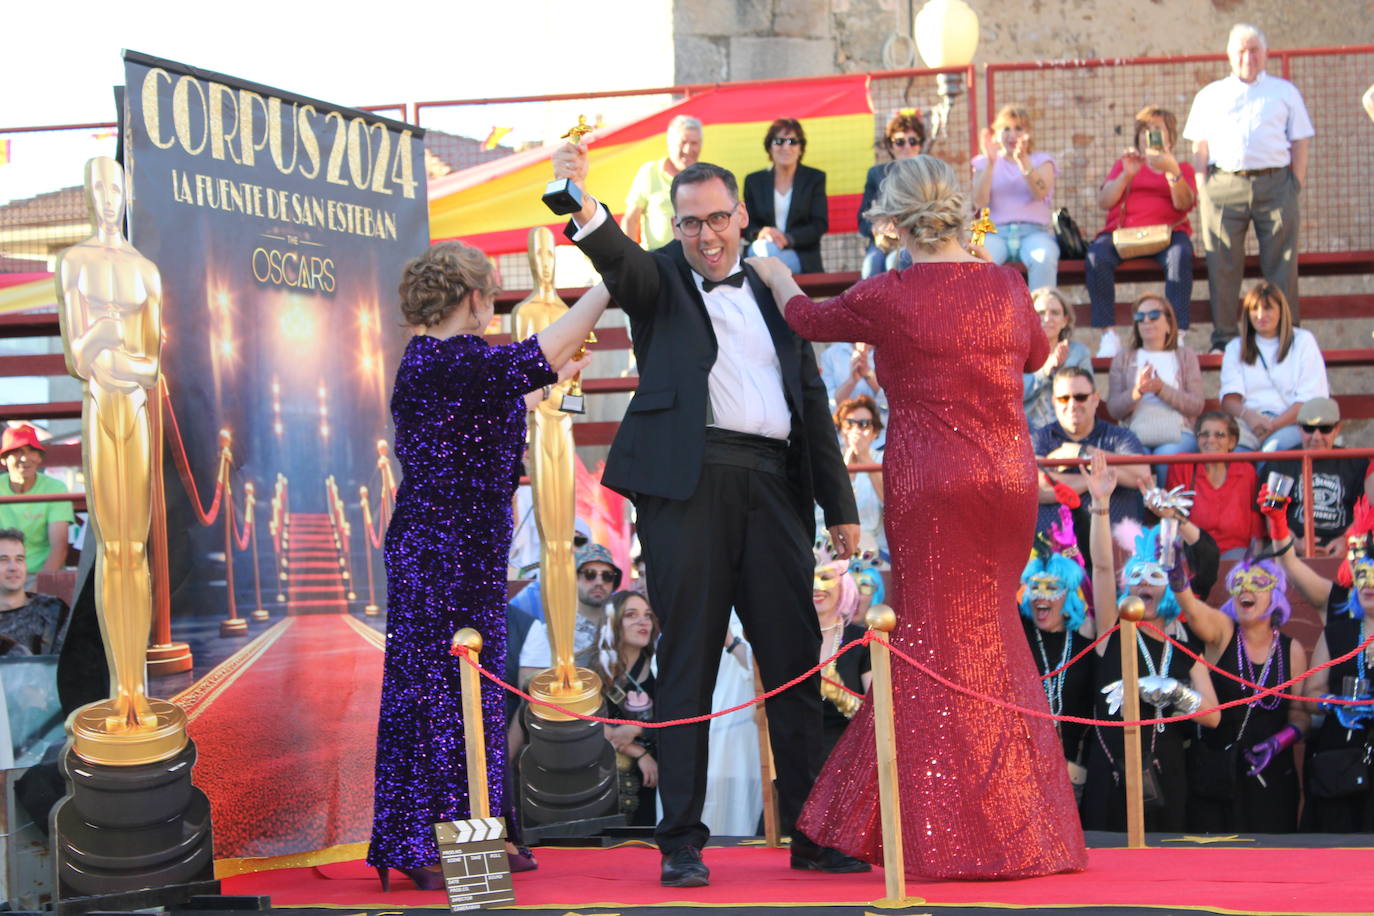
684	868
807	856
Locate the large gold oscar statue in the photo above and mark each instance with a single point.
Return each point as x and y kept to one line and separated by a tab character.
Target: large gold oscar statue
111	300
551	478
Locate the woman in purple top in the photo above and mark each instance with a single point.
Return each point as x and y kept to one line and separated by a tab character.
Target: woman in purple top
1017	185
459	413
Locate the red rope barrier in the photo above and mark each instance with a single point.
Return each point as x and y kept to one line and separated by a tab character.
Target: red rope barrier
240	543
462	653
1275	690
376	539
205	517
1073	661
852	693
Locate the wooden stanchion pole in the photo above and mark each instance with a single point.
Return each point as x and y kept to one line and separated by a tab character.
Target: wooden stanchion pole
1129	611
474	737
772	824
881	621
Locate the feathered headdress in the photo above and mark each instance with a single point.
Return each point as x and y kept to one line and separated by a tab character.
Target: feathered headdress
1359	538
1143	543
866	568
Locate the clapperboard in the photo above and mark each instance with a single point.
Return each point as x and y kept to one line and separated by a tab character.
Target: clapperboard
473	857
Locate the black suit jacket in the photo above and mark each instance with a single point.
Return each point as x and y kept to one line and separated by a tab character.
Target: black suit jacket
658	448
807	220
872	182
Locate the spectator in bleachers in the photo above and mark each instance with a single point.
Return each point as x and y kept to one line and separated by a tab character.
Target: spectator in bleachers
1155	383
904	137
648	217
866	568
847	371
1242	775
1224	492
44	524
1147	186
1269	371
597	578
1181	685
1017	185
624	663
788	211
30	623
858	423
1250	133
1078	433
836	597
1057	320
1367	100
1337	483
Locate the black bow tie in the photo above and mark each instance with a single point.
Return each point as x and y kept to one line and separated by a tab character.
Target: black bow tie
736	280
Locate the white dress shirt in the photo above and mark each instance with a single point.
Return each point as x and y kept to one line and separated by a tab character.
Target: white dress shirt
1248	125
745	383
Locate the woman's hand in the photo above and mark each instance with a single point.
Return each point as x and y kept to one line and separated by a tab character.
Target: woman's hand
1131	161
988	143
1146	382
648	768
1056	358
1101	478
1260	424
1020	152
979	252
1162	161
573	366
770	270
859	367
775	235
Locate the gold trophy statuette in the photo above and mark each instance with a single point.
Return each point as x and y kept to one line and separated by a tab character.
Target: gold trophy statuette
561	195
981	227
573	399
111	301
551	478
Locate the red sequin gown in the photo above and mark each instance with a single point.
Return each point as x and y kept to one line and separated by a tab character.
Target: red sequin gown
984	791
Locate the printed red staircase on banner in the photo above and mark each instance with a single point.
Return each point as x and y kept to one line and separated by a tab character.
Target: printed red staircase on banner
314	575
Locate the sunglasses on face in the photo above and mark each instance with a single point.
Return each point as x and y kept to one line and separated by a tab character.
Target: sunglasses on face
1322	428
605	575
786	141
857	422
1077	396
691	225
906	141
1151	315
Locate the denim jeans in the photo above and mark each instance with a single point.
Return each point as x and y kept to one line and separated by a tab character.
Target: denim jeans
762	249
1100	273
1187	443
877	261
1032	245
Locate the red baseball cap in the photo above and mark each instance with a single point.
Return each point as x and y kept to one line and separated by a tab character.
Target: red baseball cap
18	437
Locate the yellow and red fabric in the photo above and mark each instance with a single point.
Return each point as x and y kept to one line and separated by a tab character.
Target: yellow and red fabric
495	204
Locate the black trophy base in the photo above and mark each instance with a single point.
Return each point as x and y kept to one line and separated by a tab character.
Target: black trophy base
573	403
562	196
130	829
179	897
567	776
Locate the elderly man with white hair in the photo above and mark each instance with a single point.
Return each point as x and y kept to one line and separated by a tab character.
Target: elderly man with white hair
1250	134
648	216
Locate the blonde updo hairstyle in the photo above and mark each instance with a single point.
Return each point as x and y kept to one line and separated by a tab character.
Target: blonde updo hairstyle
437	282
921	195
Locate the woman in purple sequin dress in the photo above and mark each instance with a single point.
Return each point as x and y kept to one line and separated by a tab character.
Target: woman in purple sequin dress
459	413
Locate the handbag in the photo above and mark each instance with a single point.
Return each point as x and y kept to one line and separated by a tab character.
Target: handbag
1071	244
1339	773
1155	424
1213	772
1141	241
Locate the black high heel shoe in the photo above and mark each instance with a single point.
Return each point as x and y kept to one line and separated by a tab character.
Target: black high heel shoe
425	879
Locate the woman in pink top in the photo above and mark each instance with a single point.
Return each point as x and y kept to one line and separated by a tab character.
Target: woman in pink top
1017	185
1144	189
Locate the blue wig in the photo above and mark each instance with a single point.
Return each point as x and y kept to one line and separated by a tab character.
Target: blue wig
1067	572
1146	551
1279	608
874	577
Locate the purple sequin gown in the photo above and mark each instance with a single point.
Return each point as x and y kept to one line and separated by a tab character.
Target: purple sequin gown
460	435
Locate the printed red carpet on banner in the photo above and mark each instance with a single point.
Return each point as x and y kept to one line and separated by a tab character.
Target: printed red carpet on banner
286	730
1307	881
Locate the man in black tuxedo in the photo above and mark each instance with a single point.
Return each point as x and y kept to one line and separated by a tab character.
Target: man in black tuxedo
725	449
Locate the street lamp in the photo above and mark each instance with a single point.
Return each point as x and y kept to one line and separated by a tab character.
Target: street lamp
946	33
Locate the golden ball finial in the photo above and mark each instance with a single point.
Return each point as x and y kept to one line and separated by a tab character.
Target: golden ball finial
362	492
225	437
881	617
382	447
1131	608
469	638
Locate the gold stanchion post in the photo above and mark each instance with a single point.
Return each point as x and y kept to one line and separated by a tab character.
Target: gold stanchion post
371	609
1130	611
474	737
881	621
250	498
233	625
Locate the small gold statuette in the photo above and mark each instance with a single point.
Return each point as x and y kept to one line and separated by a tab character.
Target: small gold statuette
981	227
573	399
561	195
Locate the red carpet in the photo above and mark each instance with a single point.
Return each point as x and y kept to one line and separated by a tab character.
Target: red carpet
1270	881
286	729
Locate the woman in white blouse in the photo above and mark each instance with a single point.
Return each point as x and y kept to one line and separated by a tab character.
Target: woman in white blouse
1269	371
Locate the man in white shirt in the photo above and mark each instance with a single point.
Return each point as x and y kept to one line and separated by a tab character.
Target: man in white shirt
1250	134
725	447
597	578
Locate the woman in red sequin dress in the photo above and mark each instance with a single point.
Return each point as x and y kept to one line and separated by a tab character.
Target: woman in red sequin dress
984	791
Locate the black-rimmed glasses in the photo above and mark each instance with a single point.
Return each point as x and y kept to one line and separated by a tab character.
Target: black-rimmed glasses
691	225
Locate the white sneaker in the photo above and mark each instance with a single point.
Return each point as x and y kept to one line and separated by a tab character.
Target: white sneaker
1110	345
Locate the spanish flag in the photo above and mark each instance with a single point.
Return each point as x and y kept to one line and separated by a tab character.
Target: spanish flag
495	204
5	152
494	138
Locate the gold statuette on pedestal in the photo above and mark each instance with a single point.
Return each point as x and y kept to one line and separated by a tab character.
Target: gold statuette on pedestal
111	301
551	479
982	227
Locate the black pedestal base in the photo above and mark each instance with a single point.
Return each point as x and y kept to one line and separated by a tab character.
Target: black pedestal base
132	829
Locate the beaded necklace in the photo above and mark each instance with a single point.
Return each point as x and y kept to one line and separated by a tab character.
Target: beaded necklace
1054	687
1150	667
1246	669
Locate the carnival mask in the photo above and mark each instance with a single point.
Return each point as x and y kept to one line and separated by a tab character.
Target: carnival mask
1362	573
1253	579
825	580
1146	573
1044	587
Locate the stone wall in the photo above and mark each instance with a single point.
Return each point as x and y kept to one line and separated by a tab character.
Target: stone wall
757	39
